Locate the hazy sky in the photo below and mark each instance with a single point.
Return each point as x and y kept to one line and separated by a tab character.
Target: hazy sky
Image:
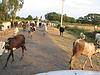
73	8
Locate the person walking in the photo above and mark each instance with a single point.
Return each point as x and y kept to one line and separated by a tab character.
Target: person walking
61	30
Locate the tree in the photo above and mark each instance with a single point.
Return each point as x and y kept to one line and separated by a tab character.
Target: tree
90	19
53	16
36	18
4	10
8	9
18	17
29	17
14	6
80	19
1	12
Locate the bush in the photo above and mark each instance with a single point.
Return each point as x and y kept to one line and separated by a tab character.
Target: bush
97	31
74	31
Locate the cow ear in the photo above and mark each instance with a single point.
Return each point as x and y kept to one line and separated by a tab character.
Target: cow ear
9	38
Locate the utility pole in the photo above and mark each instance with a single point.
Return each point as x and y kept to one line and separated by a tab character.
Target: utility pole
62	12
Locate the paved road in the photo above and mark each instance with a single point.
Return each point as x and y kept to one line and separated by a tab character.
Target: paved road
42	55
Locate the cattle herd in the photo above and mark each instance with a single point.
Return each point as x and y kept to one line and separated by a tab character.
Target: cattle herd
80	47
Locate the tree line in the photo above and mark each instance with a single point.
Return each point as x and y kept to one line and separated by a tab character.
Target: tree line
88	19
53	16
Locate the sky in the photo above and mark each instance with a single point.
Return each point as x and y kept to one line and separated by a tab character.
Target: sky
73	8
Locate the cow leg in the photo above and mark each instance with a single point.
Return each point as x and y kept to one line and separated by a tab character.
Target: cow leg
22	52
90	62
24	47
12	54
73	61
60	33
7	59
84	64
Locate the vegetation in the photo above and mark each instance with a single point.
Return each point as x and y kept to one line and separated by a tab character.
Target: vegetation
93	19
29	17
53	16
90	36
90	19
8	9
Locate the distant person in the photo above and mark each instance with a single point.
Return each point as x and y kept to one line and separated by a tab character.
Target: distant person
61	30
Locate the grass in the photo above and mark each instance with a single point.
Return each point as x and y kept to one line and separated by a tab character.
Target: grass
90	36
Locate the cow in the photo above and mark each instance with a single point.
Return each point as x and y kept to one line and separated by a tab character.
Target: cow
97	38
13	43
2	50
81	47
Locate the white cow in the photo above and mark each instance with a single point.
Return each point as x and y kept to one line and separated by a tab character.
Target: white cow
1	48
97	38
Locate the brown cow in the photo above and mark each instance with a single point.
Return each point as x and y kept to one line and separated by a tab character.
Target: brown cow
15	43
80	46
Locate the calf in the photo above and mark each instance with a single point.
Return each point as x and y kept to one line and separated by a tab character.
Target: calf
80	46
15	43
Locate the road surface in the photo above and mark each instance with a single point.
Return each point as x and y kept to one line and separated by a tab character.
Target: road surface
42	55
